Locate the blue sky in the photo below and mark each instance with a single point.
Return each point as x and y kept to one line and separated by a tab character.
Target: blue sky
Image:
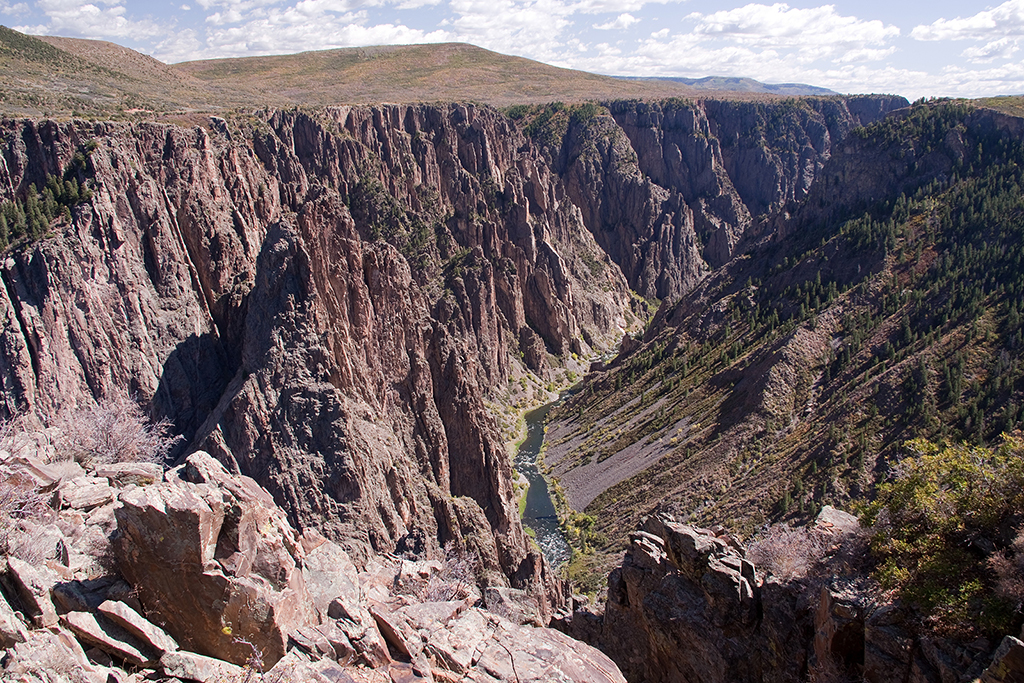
940	48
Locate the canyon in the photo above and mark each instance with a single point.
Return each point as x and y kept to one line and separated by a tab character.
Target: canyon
350	305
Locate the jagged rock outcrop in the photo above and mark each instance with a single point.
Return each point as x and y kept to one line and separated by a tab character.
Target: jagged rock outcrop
688	604
323	303
214	560
214	563
669	189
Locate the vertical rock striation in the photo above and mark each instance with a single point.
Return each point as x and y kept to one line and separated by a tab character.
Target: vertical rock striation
324	301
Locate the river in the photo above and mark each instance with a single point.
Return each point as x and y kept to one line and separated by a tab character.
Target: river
540	515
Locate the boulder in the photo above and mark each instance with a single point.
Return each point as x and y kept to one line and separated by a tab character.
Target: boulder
482	646
134	623
215	561
121	474
33	585
51	656
514	604
328	573
109	637
190	666
85	493
1007	663
11	629
81	596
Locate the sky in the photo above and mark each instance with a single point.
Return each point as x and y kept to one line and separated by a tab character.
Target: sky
935	49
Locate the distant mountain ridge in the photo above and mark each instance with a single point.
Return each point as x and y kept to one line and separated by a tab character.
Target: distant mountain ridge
61	77
747	85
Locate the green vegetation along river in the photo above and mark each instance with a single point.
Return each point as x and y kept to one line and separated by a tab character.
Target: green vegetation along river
540	515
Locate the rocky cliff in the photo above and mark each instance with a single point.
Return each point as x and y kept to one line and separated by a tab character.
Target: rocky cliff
322	302
670	189
692	604
326	301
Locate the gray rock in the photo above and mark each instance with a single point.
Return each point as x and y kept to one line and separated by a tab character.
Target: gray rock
1007	663
328	573
190	666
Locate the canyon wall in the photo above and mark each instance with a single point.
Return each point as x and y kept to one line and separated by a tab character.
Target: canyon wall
325	301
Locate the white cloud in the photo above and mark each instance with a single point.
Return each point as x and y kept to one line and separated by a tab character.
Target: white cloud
524	27
69	17
610	6
623	21
1004	48
416	4
779	25
865	55
277	34
1005	20
16	9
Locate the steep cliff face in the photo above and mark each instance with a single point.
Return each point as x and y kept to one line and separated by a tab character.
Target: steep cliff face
322	303
325	300
669	189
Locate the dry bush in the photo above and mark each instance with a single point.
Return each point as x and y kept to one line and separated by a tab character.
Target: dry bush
788	553
19	500
114	430
1008	567
456	579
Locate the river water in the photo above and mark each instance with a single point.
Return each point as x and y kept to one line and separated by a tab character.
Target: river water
540	513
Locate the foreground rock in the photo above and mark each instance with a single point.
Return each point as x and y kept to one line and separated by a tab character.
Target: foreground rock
687	605
223	589
215	561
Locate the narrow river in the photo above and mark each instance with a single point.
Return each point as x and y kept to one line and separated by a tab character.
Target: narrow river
540	513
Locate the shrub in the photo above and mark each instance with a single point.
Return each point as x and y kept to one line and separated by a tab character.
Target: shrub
19	500
455	581
938	538
114	430
788	553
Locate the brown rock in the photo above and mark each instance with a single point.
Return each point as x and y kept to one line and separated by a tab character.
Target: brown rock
52	655
134	623
33	585
393	628
686	605
11	629
313	642
344	653
293	667
110	638
214	562
81	596
122	474
85	493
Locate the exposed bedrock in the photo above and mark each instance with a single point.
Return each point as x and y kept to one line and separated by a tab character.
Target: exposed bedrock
324	301
670	189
